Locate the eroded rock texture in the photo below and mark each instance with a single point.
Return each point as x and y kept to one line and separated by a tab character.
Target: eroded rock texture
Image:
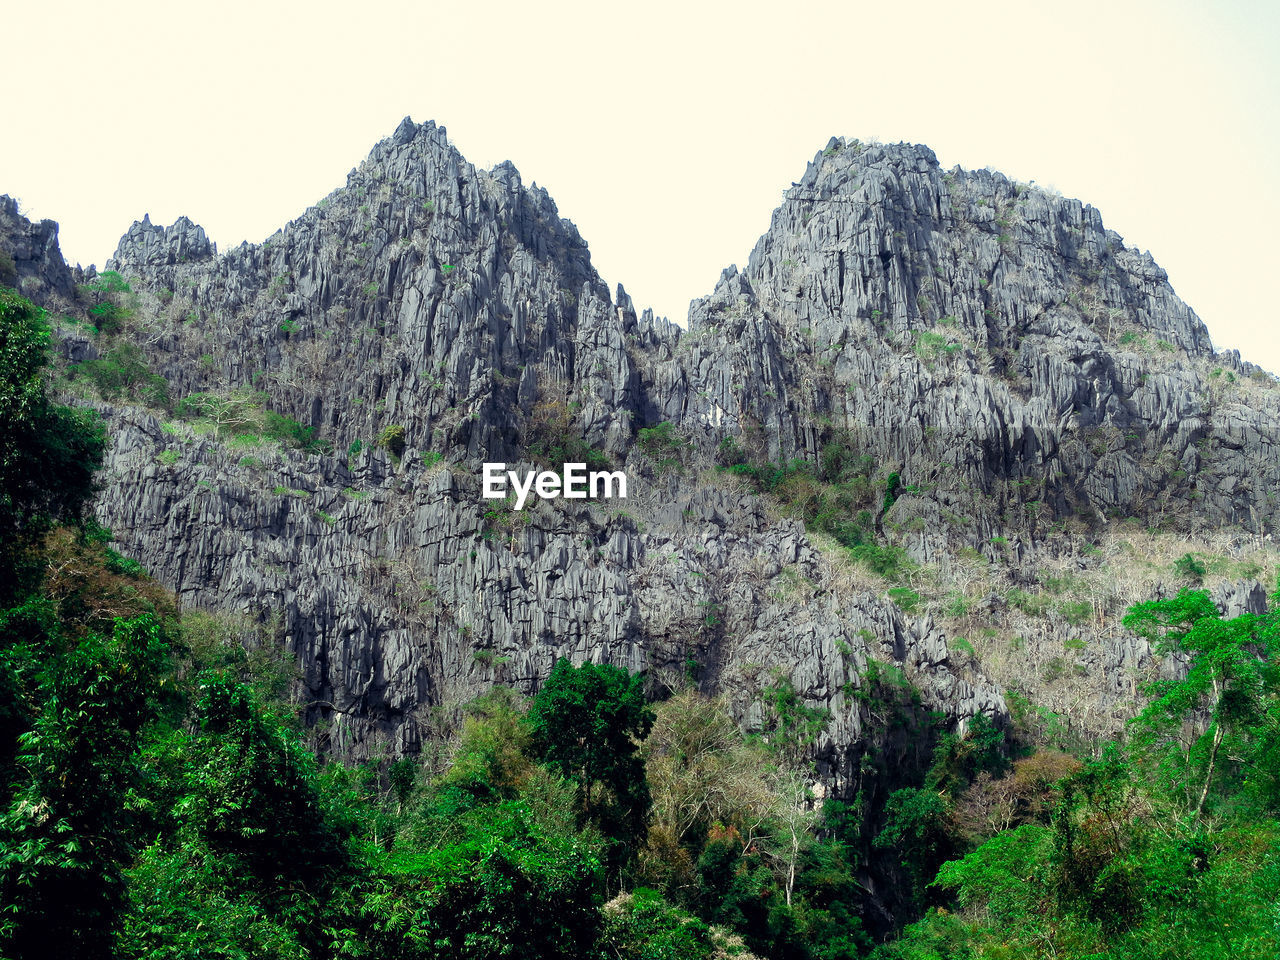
32	260
1025	374
982	334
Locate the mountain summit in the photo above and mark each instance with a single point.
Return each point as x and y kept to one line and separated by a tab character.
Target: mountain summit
942	423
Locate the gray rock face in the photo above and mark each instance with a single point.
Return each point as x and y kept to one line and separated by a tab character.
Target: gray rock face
183	242
983	335
426	294
399	594
1024	373
1237	599
40	273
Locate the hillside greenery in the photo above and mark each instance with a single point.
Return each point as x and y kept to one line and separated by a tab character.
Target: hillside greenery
120	373
839	496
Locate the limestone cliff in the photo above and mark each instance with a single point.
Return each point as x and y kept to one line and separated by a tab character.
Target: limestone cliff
1057	423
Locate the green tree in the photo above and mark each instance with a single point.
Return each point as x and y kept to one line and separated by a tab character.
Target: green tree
492	881
251	790
1156	848
66	831
642	925
796	724
491	761
917	827
957	760
1222	720
701	770
587	723
48	453
123	371
248	847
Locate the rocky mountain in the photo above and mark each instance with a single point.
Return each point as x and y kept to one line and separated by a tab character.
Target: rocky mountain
942	422
30	258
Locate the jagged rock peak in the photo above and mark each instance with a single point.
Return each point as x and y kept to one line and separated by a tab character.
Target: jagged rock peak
419	157
425	135
148	244
406	131
960	318
937	234
991	346
39	270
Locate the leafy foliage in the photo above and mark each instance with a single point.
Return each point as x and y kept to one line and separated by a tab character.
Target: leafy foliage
392	439
916	825
554	437
643	925
506	887
587	723
796	724
123	372
1233	681
48	453
249	790
1163	847
1188	566
836	498
112	301
65	831
242	416
663	446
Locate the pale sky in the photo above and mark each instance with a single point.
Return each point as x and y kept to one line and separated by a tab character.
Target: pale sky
666	131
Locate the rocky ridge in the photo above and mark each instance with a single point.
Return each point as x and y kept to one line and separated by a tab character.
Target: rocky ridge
971	328
1029	379
31	259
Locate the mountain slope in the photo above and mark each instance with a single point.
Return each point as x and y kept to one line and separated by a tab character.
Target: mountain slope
1008	408
981	333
